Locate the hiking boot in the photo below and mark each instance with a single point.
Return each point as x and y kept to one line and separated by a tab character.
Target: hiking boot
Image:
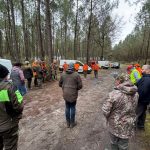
72	125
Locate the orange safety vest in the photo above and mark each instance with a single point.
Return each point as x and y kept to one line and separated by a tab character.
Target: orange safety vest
65	67
85	67
76	66
34	65
96	67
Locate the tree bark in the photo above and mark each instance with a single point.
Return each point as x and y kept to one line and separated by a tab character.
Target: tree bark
15	39
25	35
49	30
40	40
89	33
147	48
75	34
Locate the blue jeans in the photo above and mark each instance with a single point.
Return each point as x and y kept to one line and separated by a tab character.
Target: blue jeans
22	89
70	111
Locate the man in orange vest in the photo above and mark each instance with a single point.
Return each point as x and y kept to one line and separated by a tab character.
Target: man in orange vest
96	68
65	66
85	69
76	66
34	65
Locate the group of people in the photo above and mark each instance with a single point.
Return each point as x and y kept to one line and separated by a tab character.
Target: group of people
95	67
125	108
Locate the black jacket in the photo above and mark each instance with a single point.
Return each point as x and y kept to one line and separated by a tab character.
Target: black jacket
144	89
27	71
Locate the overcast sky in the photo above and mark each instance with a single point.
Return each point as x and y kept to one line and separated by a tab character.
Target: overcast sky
128	14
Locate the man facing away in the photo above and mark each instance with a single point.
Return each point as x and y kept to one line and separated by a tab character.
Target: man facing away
120	112
71	83
11	107
144	96
18	78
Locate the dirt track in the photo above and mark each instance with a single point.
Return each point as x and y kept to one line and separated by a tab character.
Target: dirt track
43	125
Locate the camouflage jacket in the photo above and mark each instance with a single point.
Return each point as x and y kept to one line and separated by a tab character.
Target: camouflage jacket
119	110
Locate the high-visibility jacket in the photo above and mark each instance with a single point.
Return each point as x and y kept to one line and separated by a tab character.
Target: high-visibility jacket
133	77
65	67
95	67
140	70
85	67
11	106
76	66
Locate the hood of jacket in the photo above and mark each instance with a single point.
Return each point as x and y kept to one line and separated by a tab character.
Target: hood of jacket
69	71
3	84
127	87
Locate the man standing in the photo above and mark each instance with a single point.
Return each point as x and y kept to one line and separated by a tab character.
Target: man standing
76	66
85	69
144	96
18	78
96	68
28	74
70	82
11	107
120	112
65	66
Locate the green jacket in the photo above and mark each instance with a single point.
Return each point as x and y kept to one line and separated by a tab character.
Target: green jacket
11	106
135	76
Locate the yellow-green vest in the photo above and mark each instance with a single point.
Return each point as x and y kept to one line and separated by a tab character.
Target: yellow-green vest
132	78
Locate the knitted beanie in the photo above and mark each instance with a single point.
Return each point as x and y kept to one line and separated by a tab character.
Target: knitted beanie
3	71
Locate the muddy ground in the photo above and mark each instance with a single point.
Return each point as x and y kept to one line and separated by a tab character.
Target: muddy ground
43	125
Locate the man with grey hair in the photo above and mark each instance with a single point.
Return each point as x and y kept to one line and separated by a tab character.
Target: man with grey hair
144	96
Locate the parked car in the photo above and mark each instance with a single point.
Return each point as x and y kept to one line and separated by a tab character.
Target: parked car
104	64
74	61
115	65
7	63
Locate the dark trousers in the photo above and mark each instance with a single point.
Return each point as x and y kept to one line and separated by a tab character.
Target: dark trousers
141	114
118	143
29	82
9	139
35	81
96	73
85	73
70	111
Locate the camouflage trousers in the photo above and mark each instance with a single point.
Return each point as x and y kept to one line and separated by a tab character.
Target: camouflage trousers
118	143
9	139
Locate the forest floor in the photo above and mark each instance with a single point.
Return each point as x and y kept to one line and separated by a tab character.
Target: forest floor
43	126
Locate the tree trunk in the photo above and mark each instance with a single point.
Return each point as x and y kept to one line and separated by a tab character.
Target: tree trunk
1	44
65	47
89	34
147	48
40	40
25	36
75	34
49	30
15	40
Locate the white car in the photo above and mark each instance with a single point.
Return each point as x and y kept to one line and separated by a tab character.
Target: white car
7	63
73	61
104	64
